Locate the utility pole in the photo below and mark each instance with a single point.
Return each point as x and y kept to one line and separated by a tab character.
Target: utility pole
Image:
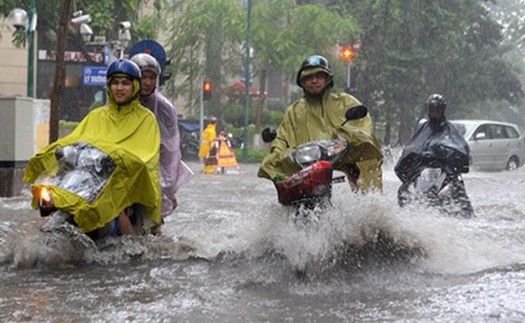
31	54
247	80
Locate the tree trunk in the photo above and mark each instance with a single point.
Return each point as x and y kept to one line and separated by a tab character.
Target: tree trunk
60	69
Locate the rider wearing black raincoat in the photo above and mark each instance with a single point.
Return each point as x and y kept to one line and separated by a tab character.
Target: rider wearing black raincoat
437	142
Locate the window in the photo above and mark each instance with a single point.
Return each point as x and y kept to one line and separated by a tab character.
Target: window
512	133
481	133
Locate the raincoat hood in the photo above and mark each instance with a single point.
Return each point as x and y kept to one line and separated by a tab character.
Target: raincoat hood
136	89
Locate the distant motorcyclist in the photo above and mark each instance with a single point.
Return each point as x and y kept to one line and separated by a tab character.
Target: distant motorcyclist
437	142
173	172
129	134
321	115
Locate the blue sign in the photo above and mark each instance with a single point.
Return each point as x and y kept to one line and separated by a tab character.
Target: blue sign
94	75
149	46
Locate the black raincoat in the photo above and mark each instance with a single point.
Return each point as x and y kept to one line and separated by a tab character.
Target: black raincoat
434	145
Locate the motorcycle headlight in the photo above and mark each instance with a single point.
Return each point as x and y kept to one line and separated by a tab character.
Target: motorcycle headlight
306	155
430	174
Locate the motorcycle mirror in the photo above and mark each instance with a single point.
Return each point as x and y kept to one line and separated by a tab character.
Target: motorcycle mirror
268	135
356	113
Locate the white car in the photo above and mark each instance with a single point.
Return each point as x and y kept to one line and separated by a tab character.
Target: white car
494	145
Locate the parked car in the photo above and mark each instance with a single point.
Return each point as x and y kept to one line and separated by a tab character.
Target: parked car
493	145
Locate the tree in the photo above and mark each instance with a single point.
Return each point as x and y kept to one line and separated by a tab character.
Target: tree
411	49
285	34
207	37
201	46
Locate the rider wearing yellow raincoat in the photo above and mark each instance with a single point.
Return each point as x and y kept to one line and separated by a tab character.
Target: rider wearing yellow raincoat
129	134
321	115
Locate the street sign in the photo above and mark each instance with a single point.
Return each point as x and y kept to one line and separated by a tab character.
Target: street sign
94	75
149	46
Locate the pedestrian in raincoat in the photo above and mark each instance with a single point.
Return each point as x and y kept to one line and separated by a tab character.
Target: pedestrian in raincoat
321	115
207	151
173	172
129	134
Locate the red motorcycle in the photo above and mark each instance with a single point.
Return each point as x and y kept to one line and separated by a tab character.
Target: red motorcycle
312	185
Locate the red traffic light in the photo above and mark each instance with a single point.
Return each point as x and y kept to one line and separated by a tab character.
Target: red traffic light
206	86
348	53
206	90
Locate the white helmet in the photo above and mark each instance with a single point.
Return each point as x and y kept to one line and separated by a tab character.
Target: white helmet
146	62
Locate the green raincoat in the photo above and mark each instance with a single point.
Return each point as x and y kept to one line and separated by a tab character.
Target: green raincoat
306	121
129	134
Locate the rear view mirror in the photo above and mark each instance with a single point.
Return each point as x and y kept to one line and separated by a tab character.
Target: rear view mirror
356	113
268	135
479	136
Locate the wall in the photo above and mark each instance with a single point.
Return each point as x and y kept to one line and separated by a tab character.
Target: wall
13	64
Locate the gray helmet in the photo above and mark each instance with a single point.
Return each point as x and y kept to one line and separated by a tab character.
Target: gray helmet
146	62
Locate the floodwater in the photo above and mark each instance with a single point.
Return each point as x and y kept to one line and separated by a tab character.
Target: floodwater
230	253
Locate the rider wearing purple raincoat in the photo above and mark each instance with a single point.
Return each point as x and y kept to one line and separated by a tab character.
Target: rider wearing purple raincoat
173	171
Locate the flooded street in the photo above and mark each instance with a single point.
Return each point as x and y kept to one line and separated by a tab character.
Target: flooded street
230	254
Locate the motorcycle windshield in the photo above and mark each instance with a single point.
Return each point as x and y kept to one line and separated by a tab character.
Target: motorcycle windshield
82	169
445	148
311	152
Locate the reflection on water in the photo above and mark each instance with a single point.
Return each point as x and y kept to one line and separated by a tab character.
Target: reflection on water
231	253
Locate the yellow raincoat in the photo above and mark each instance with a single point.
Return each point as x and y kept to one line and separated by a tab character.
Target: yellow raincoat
129	134
208	139
306	121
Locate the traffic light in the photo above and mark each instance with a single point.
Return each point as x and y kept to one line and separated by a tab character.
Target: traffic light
206	90
348	53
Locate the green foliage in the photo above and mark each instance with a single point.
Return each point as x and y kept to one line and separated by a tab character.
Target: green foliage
253	156
406	50
67	125
147	27
415	48
282	33
203	44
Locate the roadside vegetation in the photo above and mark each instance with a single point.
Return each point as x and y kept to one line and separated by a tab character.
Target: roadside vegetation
470	51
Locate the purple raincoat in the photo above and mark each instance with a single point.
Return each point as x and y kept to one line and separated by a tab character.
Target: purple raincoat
173	171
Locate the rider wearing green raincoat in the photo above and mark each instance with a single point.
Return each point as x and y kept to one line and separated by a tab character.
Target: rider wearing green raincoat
321	115
128	133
